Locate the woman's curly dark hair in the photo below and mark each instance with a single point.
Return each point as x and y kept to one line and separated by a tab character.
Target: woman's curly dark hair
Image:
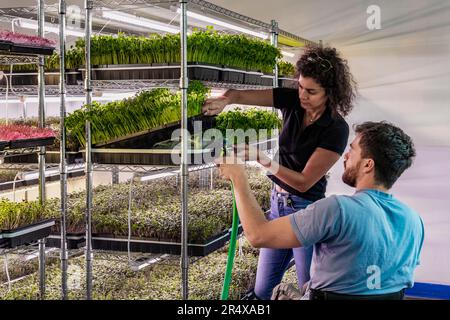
329	70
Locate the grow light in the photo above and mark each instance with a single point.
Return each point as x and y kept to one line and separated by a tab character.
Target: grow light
158	176
106	96
35	175
137	21
136	266
52	172
35	254
287	54
224	24
32	24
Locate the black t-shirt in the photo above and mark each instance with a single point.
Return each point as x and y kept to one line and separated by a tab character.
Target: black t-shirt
296	145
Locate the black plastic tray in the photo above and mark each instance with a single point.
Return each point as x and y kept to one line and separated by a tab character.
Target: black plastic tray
30	143
3	145
50	157
171	71
25	49
267	80
147	139
231	75
165	71
5	45
23	78
112	243
204	71
252	78
73	76
137	149
29	78
155	71
135	72
288	83
27	234
157	157
73	240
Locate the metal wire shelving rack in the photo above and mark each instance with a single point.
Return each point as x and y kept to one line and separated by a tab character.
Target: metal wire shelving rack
118	85
7	58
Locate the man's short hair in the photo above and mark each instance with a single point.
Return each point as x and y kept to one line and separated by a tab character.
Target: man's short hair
391	149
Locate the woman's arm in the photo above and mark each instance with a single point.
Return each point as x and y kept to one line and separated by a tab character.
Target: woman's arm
317	166
263	98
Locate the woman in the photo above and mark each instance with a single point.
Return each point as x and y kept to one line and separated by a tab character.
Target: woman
313	137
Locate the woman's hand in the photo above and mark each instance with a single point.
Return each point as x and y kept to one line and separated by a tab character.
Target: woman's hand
246	152
251	153
215	106
231	167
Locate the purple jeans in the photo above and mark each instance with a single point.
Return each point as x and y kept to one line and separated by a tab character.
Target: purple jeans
272	263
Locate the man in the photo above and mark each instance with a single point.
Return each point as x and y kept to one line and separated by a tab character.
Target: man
366	246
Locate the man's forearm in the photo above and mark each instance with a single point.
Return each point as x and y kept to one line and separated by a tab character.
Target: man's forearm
292	178
250	213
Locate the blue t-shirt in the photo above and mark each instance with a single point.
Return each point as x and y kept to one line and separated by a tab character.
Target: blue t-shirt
364	244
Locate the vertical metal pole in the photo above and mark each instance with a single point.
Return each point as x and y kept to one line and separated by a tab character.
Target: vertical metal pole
184	143
115	175
41	84
62	148
41	244
212	179
88	169
274	42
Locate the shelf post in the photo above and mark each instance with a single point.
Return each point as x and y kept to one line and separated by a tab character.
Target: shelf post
41	124
184	155
211	187
62	148
88	169
274	42
115	174
41	107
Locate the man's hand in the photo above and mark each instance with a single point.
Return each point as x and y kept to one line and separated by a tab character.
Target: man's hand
215	106
251	153
231	167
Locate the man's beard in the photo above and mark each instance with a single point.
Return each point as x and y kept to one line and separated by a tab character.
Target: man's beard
350	175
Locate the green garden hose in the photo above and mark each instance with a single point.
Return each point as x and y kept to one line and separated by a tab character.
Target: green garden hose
231	250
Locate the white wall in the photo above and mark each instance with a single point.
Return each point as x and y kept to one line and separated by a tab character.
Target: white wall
403	71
